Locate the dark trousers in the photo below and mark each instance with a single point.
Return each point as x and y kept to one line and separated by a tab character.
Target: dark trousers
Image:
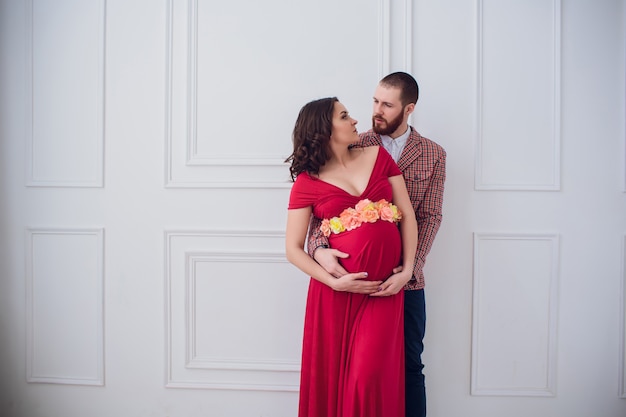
414	329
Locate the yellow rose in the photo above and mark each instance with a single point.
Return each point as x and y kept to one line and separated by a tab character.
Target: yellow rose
336	226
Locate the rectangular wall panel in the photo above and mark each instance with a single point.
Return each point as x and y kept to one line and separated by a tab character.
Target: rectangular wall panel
514	314
227	326
219	82
66	130
518	145
65	322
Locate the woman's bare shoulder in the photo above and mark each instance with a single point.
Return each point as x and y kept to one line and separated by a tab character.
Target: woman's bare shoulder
368	150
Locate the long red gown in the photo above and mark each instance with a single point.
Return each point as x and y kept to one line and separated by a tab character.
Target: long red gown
353	347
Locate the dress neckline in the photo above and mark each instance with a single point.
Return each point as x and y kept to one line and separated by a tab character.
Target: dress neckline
346	192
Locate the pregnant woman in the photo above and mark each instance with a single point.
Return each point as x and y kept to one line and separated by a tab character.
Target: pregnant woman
353	346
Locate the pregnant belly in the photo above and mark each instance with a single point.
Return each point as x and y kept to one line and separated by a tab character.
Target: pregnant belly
375	248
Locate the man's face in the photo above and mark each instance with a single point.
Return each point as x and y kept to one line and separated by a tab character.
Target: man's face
388	112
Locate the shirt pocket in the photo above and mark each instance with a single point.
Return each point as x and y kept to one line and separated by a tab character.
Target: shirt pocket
417	183
423	175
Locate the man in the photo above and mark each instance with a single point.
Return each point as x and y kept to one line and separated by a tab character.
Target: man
422	163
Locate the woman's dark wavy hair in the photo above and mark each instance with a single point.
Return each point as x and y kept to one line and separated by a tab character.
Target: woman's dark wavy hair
311	137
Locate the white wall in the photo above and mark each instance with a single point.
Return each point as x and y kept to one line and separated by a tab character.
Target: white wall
143	199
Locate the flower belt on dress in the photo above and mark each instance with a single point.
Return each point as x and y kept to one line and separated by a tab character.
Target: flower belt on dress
365	211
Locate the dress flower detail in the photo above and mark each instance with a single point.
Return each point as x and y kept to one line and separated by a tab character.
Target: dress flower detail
365	211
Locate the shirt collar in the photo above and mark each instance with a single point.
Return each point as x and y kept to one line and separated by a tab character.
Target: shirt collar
400	141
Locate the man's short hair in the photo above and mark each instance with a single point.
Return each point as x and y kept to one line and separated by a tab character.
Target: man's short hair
409	91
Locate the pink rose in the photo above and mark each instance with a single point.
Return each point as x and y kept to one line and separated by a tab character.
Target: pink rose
325	227
361	205
387	213
350	219
369	215
383	202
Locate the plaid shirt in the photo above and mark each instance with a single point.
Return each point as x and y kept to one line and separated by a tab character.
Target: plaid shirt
423	165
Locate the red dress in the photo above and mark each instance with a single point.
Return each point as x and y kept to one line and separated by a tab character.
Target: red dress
353	347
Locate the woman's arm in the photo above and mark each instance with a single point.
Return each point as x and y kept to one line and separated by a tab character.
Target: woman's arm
295	236
297	224
318	248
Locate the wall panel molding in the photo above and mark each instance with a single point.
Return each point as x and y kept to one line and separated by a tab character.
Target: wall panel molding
65	334
199	361
205	272
186	165
194	157
66	59
384	37
519	110
409	33
622	321
515	307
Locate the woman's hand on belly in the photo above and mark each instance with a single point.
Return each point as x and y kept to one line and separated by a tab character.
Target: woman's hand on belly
356	283
394	284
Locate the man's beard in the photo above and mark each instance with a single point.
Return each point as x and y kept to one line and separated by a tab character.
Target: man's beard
391	127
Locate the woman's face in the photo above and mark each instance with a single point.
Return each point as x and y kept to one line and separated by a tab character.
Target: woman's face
344	127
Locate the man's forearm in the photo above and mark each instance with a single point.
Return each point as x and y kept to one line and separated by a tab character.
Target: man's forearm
427	230
316	238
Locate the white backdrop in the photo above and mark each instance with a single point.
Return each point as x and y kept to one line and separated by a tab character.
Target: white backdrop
143	199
